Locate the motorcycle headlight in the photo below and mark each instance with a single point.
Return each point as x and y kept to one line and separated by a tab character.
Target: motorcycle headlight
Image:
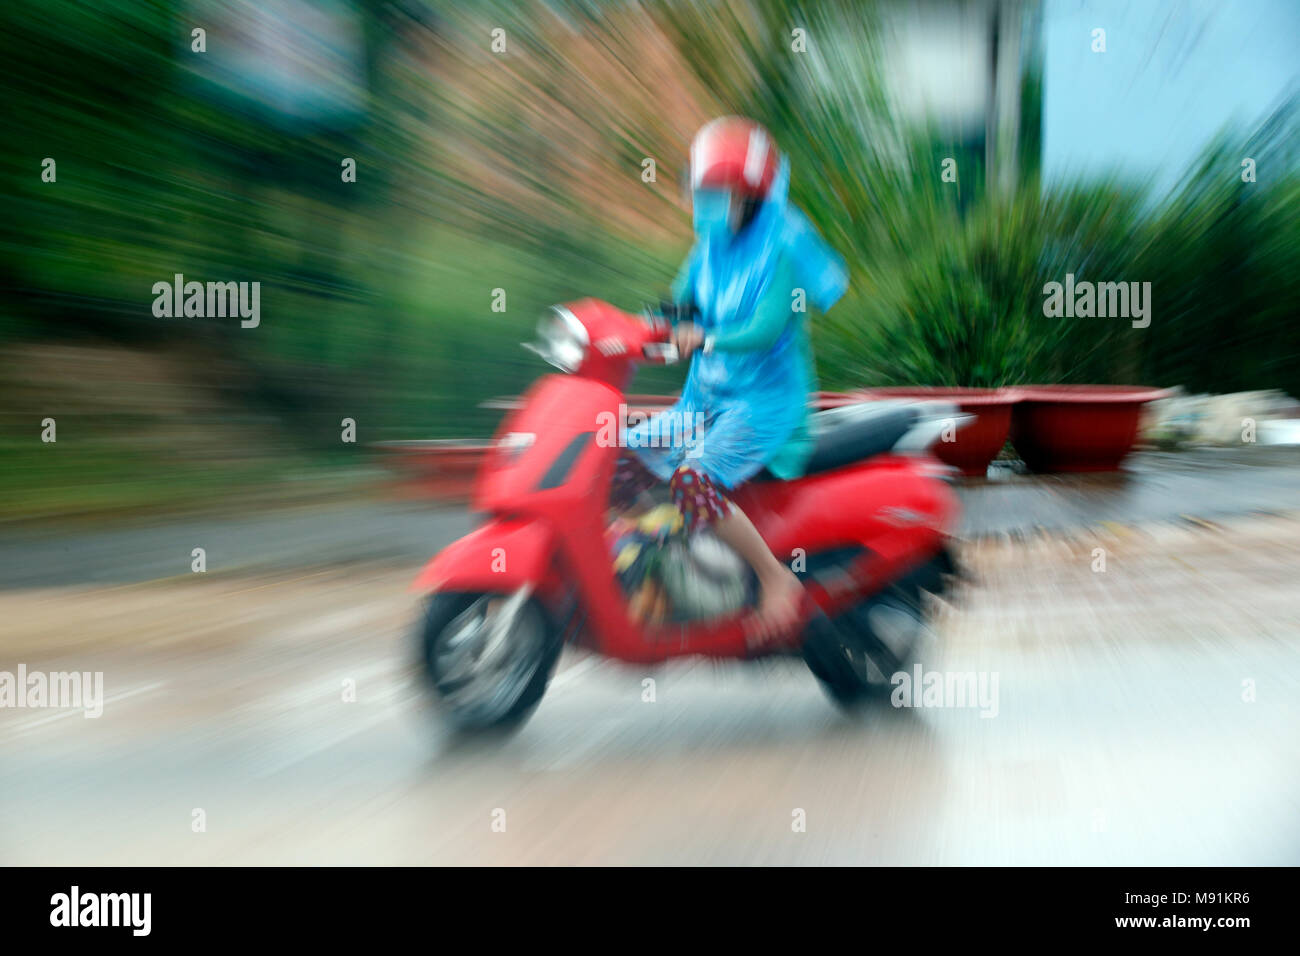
561	339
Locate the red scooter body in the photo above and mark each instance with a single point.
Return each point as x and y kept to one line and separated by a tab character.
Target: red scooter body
545	488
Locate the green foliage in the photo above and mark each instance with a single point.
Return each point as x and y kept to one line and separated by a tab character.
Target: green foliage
478	172
1222	254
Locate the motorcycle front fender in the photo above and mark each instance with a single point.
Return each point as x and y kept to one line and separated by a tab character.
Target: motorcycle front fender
502	555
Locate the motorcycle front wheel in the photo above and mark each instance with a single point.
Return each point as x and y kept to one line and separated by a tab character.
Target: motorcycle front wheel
487	657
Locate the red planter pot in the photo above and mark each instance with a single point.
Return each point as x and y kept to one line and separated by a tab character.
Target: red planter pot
1078	427
978	442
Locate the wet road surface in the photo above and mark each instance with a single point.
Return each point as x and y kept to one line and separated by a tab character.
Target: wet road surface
1146	713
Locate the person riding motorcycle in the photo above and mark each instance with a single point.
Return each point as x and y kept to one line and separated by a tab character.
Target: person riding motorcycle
755	264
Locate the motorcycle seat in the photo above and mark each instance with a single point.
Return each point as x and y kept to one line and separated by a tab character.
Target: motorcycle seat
852	433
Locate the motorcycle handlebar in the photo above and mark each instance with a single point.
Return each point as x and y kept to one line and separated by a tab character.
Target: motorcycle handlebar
665	353
658	346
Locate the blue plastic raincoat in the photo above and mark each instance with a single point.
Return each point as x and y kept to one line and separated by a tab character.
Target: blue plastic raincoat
750	393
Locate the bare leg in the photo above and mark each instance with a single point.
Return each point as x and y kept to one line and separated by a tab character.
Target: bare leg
781	590
701	503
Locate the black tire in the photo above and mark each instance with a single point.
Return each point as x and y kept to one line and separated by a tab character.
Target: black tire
502	717
851	659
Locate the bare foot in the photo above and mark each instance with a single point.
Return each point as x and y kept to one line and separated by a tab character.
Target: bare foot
778	608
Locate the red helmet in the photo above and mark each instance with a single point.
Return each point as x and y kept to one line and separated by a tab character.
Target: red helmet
734	153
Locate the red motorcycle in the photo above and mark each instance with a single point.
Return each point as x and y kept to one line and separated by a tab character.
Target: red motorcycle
866	529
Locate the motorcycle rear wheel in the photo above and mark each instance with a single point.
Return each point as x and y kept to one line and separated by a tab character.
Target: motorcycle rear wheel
855	655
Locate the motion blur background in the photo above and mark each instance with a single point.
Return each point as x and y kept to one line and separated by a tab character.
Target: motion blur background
1147	713
522	170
